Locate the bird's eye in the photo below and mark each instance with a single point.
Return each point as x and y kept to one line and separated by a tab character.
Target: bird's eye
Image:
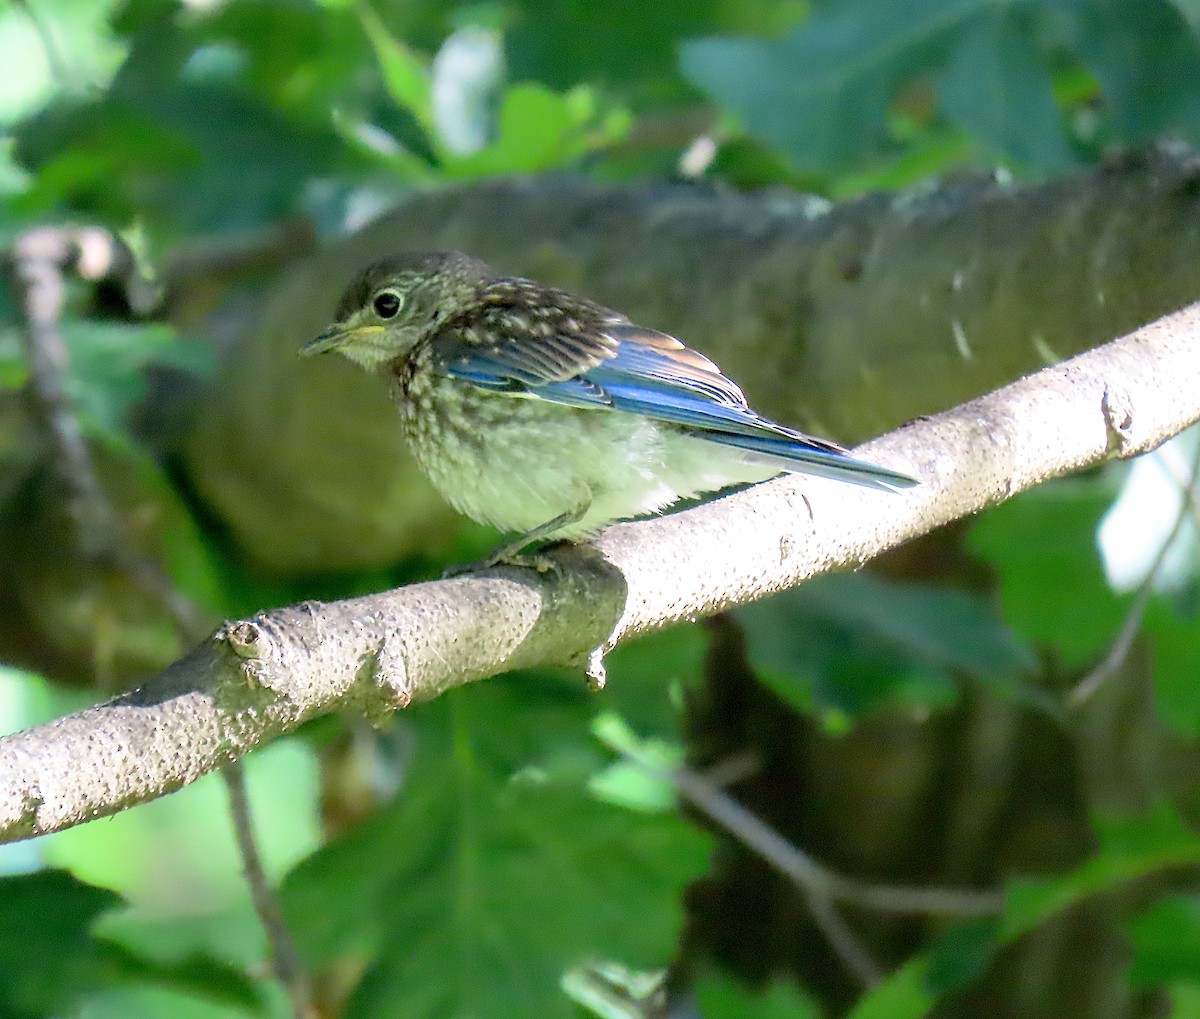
387	304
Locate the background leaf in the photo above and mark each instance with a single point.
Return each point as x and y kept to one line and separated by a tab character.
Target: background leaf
851	641
998	89
822	92
1043	547
516	877
50	963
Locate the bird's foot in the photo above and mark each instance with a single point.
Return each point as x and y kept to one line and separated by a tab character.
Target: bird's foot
538	560
512	553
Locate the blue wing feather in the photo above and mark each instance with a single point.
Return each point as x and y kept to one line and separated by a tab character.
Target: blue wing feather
651	374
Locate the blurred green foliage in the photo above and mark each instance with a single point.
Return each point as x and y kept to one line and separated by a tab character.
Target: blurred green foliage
473	892
509	846
53	965
1006	76
847	643
1054	591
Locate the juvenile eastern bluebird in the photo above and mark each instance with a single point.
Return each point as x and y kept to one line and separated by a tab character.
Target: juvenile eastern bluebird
544	413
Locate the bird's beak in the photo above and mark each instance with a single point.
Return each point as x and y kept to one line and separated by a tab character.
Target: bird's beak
330	339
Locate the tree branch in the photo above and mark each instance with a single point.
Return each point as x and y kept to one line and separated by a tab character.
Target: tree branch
259	677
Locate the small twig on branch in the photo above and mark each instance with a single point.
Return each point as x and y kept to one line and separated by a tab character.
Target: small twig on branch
706	795
285	960
846	945
821	887
810	876
259	677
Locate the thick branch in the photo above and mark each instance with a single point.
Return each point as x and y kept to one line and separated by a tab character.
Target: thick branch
263	676
840	320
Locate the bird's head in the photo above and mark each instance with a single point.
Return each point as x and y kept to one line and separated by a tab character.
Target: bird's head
395	302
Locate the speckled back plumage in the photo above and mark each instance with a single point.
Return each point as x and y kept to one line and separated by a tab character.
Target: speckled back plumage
556	333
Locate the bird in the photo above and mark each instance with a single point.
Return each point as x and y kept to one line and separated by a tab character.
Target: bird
549	415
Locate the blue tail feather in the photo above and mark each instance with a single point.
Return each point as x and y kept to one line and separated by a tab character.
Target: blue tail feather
799	456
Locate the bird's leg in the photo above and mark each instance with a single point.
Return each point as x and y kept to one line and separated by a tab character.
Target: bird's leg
509	554
510	550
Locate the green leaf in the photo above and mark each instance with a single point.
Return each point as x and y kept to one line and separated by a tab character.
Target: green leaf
903	995
540	130
299	57
1166	943
1129	848
86	51
1147	61
852	640
1043	547
1185	1001
1190	9
821	93
627	783
13	370
961	954
47	953
176	154
493	873
196	975
995	88
405	74
107	369
1175	633
720	997
626	45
